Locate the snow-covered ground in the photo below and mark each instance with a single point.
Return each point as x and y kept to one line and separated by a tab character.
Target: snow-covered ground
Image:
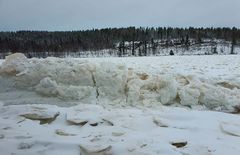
120	131
146	105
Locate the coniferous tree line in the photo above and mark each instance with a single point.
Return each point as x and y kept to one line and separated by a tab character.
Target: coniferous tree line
121	39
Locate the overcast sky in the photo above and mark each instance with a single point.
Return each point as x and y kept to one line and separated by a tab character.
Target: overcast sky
87	14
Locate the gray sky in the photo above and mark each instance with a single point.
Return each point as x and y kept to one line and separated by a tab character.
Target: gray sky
87	14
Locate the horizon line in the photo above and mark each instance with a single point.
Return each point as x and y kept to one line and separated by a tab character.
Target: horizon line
123	27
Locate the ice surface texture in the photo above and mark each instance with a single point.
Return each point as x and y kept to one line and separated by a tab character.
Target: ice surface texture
115	83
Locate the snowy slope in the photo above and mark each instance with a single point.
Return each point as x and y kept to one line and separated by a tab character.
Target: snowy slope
209	47
117	106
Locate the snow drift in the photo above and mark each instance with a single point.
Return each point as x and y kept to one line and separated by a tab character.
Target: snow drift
114	83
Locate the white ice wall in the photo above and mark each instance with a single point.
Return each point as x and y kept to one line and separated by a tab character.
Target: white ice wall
115	84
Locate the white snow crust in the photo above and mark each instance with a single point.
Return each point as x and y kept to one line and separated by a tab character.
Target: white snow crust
89	129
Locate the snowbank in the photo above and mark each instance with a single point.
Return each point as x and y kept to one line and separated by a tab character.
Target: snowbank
116	83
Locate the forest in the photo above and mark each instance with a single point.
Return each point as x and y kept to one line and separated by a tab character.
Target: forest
122	40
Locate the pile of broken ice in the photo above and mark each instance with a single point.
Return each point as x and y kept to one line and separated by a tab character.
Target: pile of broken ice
115	84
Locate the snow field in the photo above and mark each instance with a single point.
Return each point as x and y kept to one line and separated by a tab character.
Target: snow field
94	130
